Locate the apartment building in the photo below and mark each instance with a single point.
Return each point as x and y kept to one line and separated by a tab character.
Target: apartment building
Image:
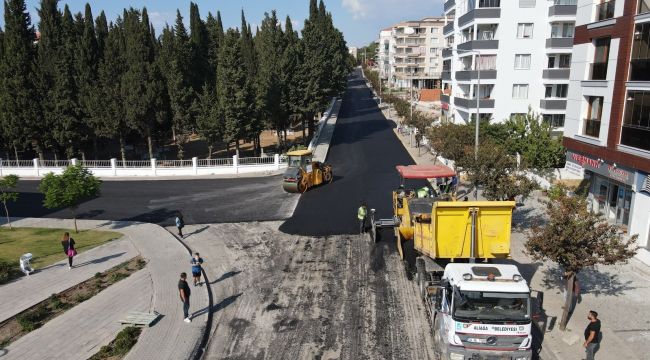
503	57
409	53
607	127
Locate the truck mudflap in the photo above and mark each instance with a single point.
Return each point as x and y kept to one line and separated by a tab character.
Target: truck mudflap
460	353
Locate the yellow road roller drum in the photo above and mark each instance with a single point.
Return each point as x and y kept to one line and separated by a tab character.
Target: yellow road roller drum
304	173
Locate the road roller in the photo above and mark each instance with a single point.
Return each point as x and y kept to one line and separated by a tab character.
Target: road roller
304	173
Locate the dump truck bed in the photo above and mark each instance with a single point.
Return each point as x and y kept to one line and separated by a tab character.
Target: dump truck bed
447	232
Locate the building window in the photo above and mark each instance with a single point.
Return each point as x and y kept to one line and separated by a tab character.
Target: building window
562	29
594	113
605	10
636	124
522	61
561	61
612	199
640	61
434	30
520	91
556	91
524	31
486	62
555	120
644	7
601	58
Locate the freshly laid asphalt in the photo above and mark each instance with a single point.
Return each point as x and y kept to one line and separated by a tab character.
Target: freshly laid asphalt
200	201
364	152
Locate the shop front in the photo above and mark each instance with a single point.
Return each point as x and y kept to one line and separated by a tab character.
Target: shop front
611	187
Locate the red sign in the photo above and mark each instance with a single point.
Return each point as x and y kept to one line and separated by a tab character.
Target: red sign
600	167
445	106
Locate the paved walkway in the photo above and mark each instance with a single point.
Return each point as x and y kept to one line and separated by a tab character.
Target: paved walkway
325	137
618	293
169	338
81	331
28	291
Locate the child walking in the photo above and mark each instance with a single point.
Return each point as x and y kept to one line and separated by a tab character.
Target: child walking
196	268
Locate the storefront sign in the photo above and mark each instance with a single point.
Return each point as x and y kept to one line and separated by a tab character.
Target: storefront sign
599	166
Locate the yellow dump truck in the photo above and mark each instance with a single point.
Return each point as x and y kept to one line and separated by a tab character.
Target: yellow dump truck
468	302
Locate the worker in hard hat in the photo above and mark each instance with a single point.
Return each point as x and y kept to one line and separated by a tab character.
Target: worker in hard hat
361	215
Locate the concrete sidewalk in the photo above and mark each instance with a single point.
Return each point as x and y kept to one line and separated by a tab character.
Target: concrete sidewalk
618	293
325	137
170	337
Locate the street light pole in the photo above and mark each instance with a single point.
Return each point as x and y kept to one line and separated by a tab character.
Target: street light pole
478	104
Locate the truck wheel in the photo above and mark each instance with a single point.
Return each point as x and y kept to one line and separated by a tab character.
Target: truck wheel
327	177
421	278
409	258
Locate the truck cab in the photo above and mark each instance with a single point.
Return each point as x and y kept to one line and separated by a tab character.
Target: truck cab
482	311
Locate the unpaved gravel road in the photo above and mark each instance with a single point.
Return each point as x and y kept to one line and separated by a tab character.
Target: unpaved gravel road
280	296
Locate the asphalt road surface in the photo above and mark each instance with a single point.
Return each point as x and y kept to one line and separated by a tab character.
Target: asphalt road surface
363	153
200	201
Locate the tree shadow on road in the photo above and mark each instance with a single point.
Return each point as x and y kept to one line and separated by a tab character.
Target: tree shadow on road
592	281
225	276
99	260
218	307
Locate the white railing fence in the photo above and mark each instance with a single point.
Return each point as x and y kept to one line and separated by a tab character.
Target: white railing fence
145	168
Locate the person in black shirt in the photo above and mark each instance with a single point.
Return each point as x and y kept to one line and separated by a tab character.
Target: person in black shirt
592	335
184	292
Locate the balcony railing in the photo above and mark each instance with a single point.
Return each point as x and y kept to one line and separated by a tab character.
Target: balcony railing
489	3
640	70
592	127
605	10
470	103
598	71
565	2
449	4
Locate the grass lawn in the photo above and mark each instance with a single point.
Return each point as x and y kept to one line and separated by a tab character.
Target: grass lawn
45	244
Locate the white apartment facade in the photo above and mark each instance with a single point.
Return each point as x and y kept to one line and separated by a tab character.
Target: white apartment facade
519	51
410	53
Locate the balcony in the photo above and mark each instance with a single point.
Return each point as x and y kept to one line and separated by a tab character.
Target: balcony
605	10
553	104
487	9
445	99
559	43
448	29
640	70
473	75
446	53
563	8
446	75
592	127
556	74
479	45
471	103
449	4
598	71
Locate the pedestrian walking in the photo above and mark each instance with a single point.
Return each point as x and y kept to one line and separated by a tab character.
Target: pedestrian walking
196	268
592	335
180	224
69	248
184	292
362	213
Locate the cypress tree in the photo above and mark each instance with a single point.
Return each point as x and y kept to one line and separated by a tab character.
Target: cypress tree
290	75
101	33
86	68
199	44
233	91
208	121
215	34
18	96
269	43
254	125
313	67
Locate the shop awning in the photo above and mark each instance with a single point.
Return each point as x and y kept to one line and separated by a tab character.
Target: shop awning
425	171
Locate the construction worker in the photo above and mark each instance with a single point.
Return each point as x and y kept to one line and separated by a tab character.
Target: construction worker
361	215
423	192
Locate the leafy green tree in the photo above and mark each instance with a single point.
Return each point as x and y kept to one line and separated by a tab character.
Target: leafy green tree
7	193
233	91
18	110
68	190
576	238
531	137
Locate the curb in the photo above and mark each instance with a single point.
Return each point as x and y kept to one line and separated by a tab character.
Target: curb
199	350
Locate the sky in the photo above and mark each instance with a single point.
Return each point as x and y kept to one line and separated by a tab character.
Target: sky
360	20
